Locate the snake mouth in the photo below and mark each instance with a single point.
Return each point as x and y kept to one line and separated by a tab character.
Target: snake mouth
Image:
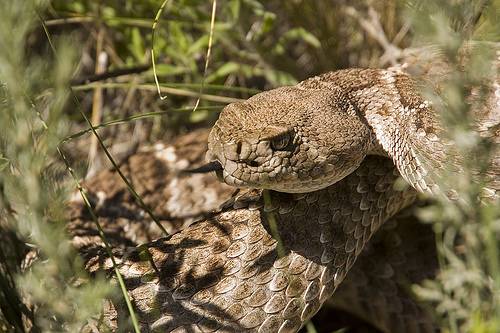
217	167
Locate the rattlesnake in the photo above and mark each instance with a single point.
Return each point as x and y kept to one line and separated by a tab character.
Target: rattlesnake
269	265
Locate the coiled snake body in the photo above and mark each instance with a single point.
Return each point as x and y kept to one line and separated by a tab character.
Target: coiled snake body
268	265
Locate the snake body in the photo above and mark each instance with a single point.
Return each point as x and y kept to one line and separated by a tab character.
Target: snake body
232	272
269	265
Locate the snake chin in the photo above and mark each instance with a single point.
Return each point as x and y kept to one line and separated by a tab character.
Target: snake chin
280	180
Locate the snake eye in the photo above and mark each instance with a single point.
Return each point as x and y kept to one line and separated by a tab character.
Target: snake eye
281	141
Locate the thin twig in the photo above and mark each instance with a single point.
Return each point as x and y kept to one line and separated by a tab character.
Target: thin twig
128	21
401	33
70	20
110	74
374	28
100	67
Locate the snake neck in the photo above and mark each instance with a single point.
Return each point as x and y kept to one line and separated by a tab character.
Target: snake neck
404	126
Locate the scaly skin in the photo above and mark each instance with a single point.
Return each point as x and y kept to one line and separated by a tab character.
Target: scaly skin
378	287
309	136
225	273
305	137
368	291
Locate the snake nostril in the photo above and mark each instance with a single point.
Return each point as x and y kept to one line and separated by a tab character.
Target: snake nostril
229	151
238	148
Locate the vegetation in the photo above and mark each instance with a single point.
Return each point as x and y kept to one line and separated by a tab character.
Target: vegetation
102	49
465	294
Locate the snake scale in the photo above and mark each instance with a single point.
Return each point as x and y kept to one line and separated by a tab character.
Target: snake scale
269	265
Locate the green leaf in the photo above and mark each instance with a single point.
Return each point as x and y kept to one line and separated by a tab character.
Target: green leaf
279	78
166	69
223	71
267	24
137	46
199	45
199	115
301	34
3	163
234	8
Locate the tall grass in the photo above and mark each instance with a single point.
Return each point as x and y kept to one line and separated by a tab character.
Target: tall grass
34	93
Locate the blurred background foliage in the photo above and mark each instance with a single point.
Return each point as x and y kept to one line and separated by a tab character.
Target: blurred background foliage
257	45
103	50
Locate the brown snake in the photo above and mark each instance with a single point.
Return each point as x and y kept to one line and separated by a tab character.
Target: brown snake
269	267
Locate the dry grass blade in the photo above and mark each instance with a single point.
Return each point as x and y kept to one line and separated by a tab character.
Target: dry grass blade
102	235
373	28
210	39
273	224
132	118
87	203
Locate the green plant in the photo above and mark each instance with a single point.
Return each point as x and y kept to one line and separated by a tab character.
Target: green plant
465	293
256	45
34	94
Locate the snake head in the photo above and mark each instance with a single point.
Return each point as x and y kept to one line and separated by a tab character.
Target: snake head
288	139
